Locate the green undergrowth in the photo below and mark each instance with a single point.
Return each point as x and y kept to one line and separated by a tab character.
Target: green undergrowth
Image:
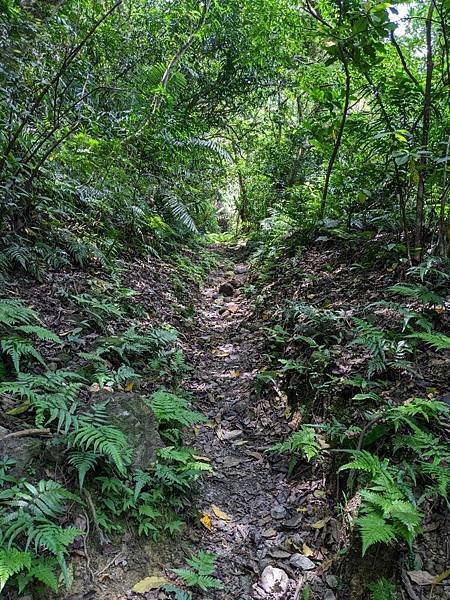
109	352
389	447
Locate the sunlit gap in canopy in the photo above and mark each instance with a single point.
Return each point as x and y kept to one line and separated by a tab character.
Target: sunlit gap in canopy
399	17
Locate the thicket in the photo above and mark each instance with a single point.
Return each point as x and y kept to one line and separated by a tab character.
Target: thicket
128	128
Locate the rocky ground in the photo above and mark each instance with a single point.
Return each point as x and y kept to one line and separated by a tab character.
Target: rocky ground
270	539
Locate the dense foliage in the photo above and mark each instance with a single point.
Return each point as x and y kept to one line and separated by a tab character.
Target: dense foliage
129	128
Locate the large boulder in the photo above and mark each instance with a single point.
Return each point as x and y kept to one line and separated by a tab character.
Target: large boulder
23	450
129	413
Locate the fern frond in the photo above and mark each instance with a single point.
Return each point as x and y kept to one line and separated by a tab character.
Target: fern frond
14	312
179	211
171	409
12	561
45	499
17	347
374	529
304	441
438	341
383	589
83	462
43	569
40	332
104	440
417	291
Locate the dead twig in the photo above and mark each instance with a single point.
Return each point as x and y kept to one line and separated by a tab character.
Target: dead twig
108	564
25	433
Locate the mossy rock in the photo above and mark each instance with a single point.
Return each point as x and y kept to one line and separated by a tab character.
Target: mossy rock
129	413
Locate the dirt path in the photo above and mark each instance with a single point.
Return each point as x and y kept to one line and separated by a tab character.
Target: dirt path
264	527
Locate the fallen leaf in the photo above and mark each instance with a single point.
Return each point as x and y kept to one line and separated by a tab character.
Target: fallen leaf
233	461
442	577
307	550
200	457
221	353
205	520
150	583
225	434
234	373
320	524
19	409
269	533
94	387
219	513
129	387
421	577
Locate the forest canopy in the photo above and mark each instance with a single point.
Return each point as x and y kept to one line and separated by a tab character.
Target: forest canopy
124	122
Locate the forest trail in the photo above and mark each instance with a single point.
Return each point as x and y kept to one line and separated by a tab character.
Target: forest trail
256	499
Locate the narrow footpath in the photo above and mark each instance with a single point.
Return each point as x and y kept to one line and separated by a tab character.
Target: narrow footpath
253	517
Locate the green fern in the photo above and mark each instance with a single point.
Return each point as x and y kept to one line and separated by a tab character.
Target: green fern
425	408
47	499
203	565
83	461
40	332
53	395
418	292
12	561
16	348
14	313
374	529
43	570
383	589
384	350
388	514
105	440
136	343
438	341
179	211
178	593
303	441
173	410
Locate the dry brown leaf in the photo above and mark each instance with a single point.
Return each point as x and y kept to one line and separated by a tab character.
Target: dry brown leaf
220	353
128	387
150	583
226	434
234	373
200	457
205	520
320	524
421	577
442	577
219	513
307	551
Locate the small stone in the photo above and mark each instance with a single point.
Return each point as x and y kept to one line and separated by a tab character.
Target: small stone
274	581
329	595
240	269
332	581
226	289
300	561
269	533
294	522
278	512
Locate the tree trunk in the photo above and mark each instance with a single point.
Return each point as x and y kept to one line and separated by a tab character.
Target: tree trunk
420	196
338	141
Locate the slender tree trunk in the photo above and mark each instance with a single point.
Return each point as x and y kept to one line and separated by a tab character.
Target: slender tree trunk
420	196
179	55
337	143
